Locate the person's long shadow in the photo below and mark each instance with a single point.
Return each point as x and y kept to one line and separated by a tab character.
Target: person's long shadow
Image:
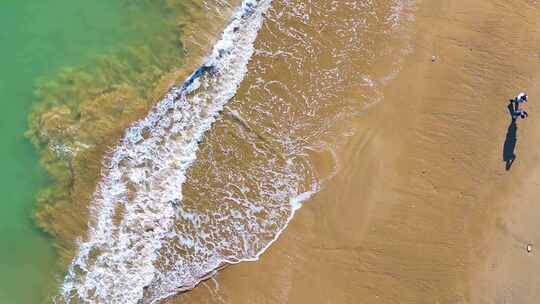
510	142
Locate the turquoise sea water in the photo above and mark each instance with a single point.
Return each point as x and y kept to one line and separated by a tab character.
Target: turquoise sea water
37	39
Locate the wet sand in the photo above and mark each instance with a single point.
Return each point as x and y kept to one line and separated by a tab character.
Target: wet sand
422	209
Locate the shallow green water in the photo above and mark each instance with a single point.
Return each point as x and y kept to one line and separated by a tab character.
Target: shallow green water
37	39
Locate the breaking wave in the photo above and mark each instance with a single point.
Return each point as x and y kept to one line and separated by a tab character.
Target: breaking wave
134	208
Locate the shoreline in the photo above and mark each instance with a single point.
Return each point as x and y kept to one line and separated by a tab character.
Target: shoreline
415	217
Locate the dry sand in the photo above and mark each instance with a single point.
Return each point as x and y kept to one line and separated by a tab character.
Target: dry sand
423	209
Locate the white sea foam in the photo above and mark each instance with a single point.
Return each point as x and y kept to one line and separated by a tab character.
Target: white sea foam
134	206
145	243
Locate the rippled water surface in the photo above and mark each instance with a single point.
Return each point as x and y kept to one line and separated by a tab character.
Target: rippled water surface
37	40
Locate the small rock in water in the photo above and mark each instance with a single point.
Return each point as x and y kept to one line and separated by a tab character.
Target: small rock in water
529	248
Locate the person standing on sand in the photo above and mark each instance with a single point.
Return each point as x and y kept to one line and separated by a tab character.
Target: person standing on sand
517	112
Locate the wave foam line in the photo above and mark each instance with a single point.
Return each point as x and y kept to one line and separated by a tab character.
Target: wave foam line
133	208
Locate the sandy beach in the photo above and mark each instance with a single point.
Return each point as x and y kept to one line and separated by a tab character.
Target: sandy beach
422	209
314	152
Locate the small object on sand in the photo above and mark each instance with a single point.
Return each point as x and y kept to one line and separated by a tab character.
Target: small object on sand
433	58
529	248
